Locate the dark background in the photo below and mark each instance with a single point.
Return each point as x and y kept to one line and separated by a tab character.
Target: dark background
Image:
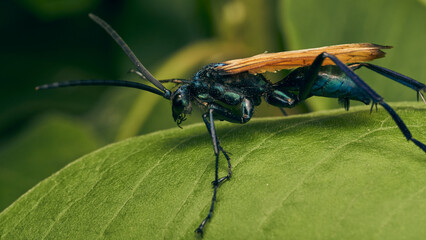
46	41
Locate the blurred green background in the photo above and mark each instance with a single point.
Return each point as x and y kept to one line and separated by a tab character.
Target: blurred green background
45	41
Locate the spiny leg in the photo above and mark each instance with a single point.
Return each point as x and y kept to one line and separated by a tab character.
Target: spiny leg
283	111
228	159
212	131
398	77
224	114
246	112
345	102
313	72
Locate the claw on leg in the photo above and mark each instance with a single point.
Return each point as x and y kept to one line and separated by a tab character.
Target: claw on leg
372	106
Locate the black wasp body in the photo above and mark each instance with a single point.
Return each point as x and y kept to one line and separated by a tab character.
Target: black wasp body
233	97
231	90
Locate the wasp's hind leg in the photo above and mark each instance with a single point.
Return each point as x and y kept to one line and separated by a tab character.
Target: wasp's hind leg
398	77
377	99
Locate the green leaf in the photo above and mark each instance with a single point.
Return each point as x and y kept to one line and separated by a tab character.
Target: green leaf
327	175
42	148
313	23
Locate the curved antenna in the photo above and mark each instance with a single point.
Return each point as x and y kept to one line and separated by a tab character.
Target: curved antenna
175	80
128	52
119	83
171	80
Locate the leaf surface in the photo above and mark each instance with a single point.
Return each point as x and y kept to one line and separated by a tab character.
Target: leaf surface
46	145
327	175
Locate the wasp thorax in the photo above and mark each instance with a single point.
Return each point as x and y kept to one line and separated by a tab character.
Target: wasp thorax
181	104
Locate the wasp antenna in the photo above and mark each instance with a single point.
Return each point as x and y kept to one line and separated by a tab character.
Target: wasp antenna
172	80
175	80
119	83
138	73
128	52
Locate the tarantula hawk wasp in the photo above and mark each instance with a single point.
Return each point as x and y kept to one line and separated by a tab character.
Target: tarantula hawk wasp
230	90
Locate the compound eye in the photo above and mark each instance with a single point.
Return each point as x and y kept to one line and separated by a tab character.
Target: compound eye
178	101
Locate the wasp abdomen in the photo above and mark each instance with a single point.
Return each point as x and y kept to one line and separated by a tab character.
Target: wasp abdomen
338	85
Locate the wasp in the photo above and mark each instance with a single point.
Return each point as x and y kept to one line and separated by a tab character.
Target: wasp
230	90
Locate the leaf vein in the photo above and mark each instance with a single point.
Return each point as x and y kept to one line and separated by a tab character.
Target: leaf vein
33	207
62	213
192	190
311	170
184	202
138	183
398	209
243	156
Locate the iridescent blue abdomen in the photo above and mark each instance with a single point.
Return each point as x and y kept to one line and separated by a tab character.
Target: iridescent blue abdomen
331	82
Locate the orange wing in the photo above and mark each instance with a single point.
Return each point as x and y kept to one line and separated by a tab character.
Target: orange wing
271	62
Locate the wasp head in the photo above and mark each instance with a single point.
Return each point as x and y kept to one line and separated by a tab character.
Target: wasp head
181	104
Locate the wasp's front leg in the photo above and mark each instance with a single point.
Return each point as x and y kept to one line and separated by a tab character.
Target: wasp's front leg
215	110
219	112
217	147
